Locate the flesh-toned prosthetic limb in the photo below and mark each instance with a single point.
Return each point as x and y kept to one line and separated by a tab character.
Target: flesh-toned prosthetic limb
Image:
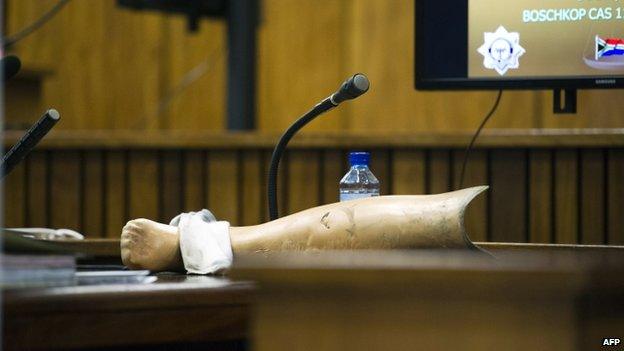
384	222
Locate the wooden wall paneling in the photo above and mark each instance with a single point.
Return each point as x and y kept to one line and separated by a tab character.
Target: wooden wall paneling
116	196
35	51
507	114
304	185
223	185
541	220
263	157
508	196
253	185
282	183
143	185
170	187
194	70
22	102
438	171
208	188
592	111
408	172
592	205
93	210
80	94
381	30
116	65
14	197
195	180
381	166
334	167
105	49
65	190
615	201
266	159
39	46
138	41
566	197
476	174
305	67
96	192
394	97
37	192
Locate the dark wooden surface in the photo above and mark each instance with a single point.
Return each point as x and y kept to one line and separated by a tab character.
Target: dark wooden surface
393	300
177	310
204	313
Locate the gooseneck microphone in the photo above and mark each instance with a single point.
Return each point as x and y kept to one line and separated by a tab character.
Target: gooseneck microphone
28	141
353	87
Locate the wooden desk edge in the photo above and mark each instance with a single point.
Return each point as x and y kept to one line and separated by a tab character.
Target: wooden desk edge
501	138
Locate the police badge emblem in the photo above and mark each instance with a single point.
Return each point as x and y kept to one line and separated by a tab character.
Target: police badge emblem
501	50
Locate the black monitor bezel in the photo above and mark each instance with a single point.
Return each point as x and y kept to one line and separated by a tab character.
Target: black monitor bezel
529	83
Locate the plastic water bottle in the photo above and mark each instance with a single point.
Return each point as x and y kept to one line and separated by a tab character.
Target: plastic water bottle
359	182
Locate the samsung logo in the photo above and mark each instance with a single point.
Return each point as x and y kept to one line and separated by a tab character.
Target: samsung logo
605	81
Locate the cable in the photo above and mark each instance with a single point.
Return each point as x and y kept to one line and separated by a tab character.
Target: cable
14	38
474	138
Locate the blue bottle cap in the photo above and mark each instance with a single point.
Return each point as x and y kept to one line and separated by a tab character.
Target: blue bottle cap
359	158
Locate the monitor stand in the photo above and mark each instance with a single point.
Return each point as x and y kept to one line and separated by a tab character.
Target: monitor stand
569	101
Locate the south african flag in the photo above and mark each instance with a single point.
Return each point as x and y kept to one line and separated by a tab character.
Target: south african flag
609	47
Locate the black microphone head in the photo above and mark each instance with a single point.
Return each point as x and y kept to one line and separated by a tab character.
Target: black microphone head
353	87
11	64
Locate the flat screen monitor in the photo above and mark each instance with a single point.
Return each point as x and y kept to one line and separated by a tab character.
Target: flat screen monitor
519	44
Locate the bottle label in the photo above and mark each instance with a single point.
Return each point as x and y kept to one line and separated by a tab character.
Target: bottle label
347	197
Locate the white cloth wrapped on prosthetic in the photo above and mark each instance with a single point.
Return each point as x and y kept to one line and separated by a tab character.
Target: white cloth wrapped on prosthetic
204	242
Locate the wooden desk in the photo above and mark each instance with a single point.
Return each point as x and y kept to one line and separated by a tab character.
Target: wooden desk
214	312
190	311
428	300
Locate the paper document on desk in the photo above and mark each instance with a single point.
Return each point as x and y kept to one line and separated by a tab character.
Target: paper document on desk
48	233
14	241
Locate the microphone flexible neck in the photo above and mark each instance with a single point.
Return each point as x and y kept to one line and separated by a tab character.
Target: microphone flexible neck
351	88
320	108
